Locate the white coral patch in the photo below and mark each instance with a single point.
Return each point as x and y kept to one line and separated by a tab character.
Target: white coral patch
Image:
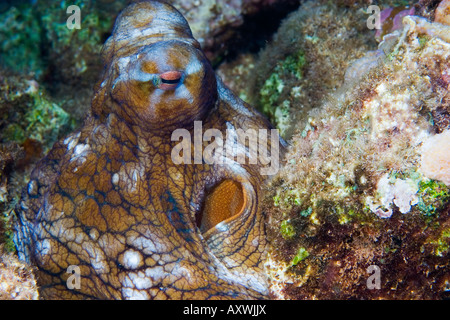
399	192
435	157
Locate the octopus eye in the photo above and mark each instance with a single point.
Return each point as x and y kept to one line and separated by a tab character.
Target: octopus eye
225	201
169	80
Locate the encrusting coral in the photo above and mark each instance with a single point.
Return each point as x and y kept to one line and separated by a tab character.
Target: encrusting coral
435	160
16	279
306	58
358	190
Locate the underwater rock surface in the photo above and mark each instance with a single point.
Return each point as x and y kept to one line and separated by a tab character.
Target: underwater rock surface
306	58
17	280
359	192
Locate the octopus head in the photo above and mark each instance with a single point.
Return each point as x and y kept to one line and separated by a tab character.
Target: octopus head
156	74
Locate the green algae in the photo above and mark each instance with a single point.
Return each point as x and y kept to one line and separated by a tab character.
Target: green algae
270	92
35	39
42	123
294	64
433	195
291	68
93	24
41	120
442	244
7	234
20	40
301	255
306	213
290	198
287	229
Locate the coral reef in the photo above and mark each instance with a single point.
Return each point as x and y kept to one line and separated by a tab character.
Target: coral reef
442	13
306	58
435	161
17	282
37	42
20	40
214	23
29	114
391	20
357	191
10	153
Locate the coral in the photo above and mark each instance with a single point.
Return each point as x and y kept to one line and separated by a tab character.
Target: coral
65	61
422	26
353	190
16	280
306	57
442	13
30	123
435	157
398	192
28	113
20	40
74	54
215	23
235	74
30	29
273	87
391	20
10	155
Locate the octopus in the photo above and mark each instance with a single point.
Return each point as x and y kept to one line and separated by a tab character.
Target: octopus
123	208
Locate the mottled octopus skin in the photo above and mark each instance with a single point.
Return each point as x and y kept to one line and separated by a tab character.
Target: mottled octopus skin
109	199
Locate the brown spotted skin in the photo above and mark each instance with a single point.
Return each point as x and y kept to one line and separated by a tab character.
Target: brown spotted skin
110	200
